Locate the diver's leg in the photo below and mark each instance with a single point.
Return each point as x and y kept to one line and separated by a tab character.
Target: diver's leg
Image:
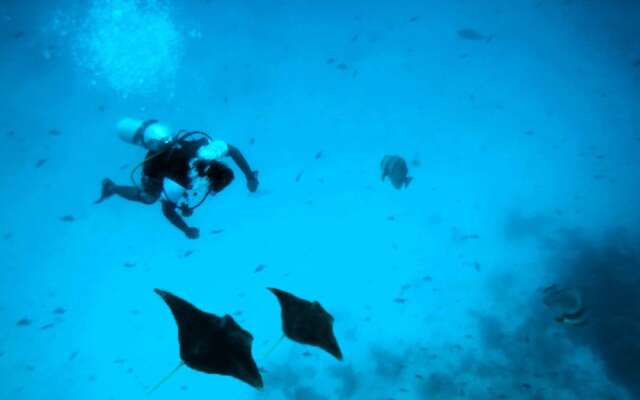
132	193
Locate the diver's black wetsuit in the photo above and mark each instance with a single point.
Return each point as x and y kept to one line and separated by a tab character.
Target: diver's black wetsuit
174	164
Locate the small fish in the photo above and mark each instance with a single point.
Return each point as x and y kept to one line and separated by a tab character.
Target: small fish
24	322
331	61
391	218
41	162
216	231
354	38
399	300
530	133
259	268
187	253
306	354
342	66
252	141
54	132
472	34
471	236
237	313
73	356
318	155
47	326
395	167
414	19
299	176
476	266
128	265
119	361
59	311
101	108
67	218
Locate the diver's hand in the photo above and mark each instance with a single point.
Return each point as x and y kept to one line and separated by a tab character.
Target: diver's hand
252	181
192	233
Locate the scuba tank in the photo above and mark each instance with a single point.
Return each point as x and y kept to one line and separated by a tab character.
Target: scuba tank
149	134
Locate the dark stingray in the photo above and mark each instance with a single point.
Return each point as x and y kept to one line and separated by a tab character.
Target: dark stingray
212	344
307	322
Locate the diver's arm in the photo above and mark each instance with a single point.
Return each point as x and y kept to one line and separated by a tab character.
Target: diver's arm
241	162
169	211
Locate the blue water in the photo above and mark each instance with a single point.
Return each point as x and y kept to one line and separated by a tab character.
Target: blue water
523	140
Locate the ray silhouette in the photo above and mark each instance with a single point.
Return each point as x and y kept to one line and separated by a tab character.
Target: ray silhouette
211	344
307	322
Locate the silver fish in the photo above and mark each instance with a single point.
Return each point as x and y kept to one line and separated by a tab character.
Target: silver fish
395	167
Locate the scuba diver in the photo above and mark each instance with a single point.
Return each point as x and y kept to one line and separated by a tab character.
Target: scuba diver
182	169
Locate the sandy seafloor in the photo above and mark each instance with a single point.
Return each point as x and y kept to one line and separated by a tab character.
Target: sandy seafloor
523	145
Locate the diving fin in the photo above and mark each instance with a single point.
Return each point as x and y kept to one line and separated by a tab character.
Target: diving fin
108	187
